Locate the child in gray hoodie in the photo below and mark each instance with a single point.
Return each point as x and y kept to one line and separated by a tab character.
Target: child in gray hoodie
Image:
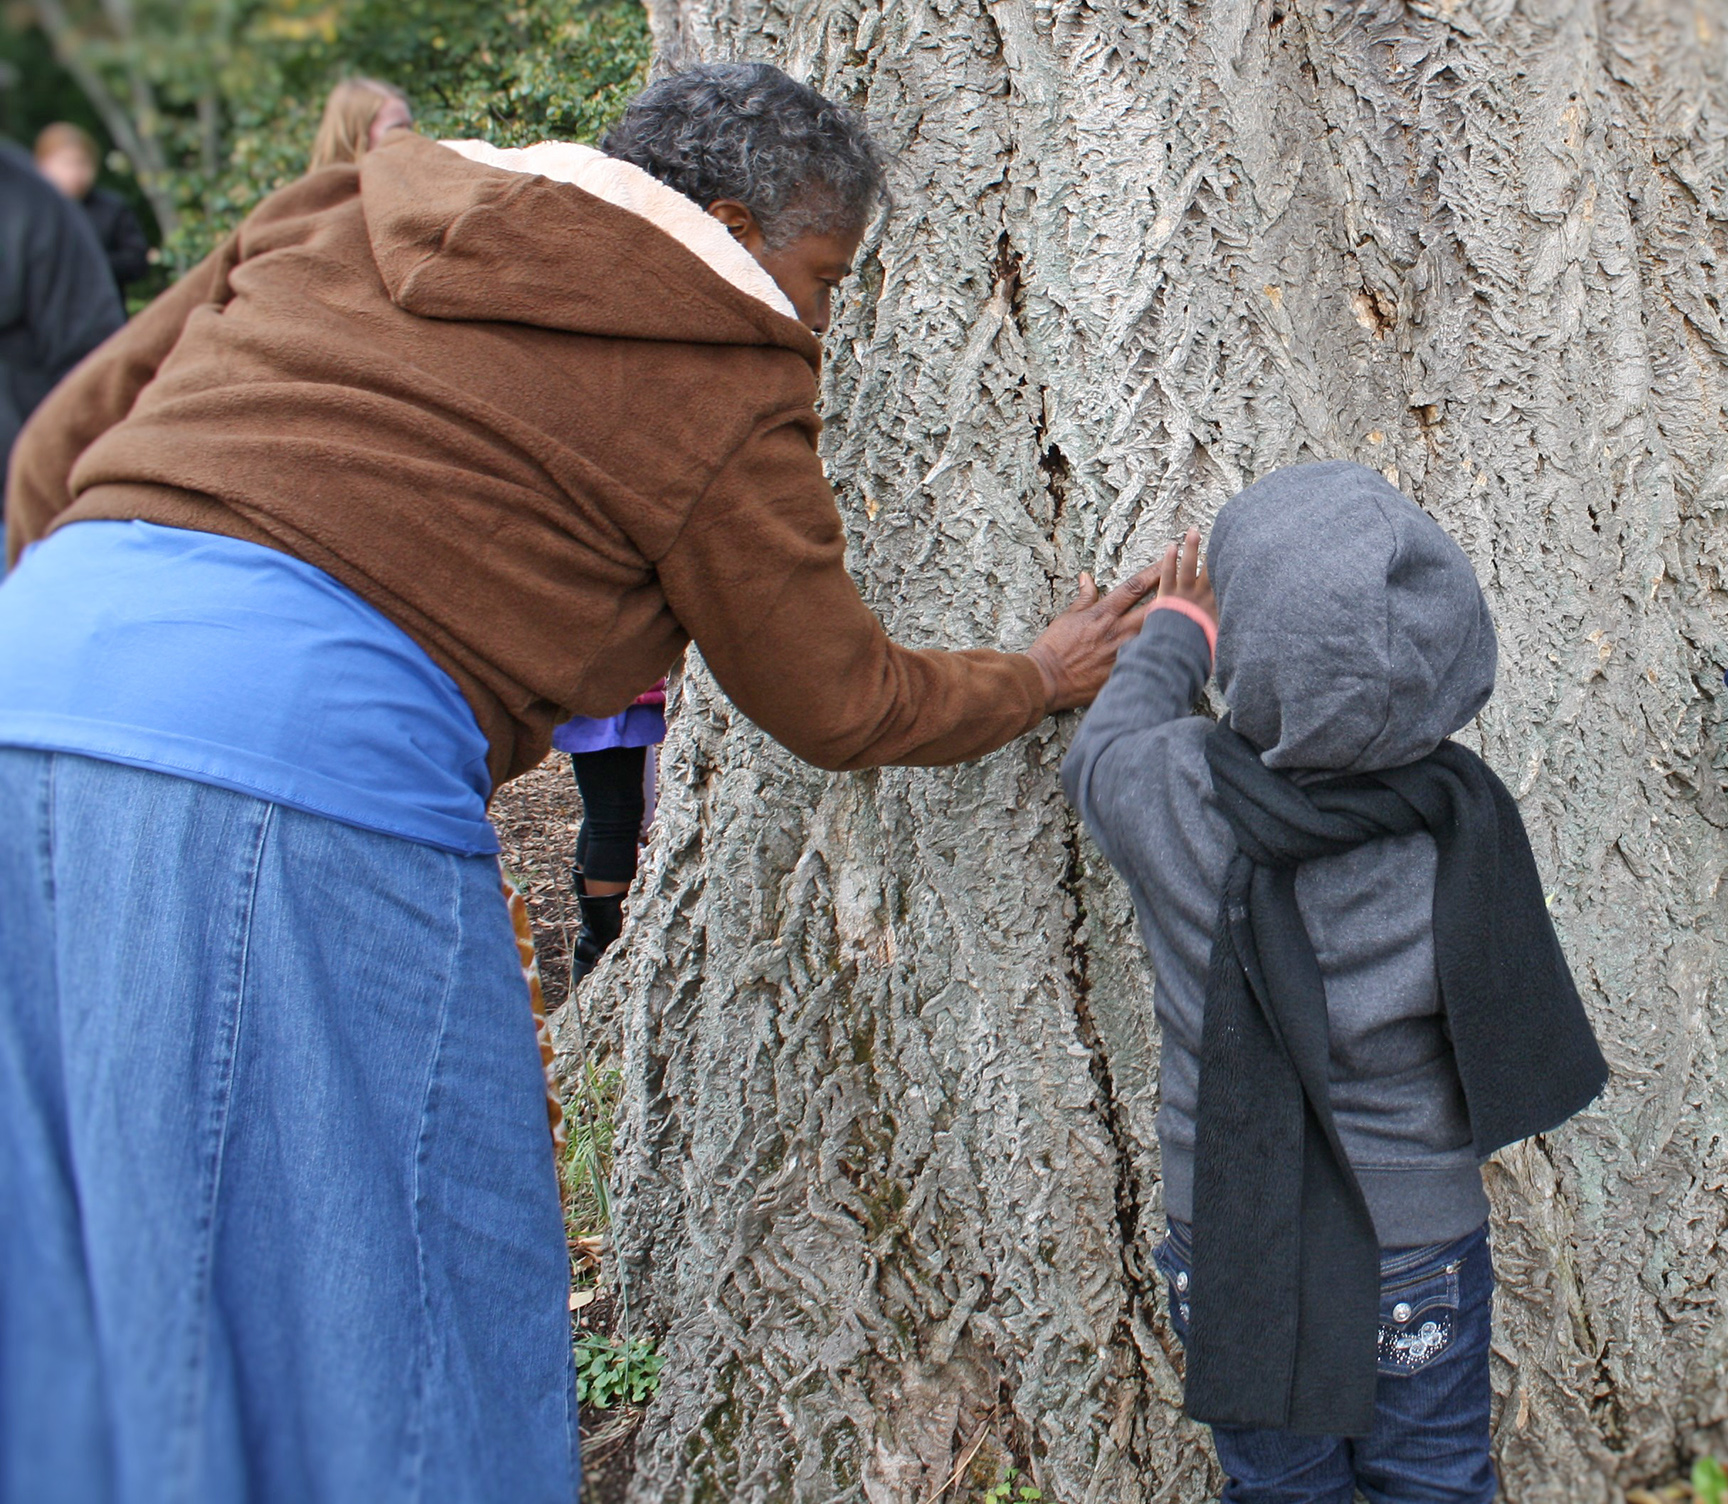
1359	991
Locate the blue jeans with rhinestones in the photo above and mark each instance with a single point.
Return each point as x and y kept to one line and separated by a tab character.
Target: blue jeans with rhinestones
1430	1443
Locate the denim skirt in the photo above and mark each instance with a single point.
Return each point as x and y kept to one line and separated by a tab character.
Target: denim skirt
279	1218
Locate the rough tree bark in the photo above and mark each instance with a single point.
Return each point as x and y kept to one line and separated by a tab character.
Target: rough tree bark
888	1181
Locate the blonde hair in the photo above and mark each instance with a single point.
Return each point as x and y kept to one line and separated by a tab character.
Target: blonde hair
61	135
348	115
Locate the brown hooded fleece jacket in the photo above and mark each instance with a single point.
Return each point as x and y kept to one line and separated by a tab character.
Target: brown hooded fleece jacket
538	433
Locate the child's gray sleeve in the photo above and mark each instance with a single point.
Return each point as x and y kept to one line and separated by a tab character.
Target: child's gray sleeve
1157	679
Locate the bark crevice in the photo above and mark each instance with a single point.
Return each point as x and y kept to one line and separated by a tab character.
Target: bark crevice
1137	1277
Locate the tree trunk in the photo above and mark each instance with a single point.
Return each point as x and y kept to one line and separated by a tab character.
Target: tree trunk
665	26
888	1187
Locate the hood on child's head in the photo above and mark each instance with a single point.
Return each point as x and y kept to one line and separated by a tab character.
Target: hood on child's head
1352	634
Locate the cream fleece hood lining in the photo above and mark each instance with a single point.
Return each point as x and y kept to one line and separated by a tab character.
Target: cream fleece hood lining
628	187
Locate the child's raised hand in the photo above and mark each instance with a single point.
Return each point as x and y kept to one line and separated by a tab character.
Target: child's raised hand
1183	575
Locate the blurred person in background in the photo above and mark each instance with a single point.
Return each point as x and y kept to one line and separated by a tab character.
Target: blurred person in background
358	115
434	453
67	155
57	299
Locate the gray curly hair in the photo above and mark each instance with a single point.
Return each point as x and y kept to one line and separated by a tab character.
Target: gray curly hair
800	163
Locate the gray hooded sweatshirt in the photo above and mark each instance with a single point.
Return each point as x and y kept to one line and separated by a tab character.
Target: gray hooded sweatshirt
1352	636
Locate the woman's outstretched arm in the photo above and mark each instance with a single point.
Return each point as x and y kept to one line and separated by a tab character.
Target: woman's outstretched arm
758	577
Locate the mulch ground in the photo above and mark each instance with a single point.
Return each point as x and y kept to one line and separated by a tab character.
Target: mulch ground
536	817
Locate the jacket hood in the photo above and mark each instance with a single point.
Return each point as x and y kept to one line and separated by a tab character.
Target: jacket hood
562	237
1352	634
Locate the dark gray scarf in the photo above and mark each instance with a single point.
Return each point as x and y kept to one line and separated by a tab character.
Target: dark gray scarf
1285	1297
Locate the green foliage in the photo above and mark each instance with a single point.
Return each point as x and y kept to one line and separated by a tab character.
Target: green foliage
610	1369
235	88
510	73
589	1124
1709	1481
546	69
36	91
1006	1493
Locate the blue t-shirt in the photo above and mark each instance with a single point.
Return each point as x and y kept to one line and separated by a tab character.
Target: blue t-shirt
234	664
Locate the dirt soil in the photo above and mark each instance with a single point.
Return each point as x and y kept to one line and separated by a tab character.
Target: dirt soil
536	817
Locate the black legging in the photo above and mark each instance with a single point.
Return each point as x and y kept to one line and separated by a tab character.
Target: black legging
610	782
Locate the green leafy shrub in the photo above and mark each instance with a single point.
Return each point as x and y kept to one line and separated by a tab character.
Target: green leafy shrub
1709	1481
512	73
610	1369
222	97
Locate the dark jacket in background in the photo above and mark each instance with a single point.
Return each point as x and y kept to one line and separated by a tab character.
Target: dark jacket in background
122	237
57	297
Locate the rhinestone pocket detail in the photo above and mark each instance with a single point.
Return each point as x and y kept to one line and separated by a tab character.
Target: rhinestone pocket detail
1405	1349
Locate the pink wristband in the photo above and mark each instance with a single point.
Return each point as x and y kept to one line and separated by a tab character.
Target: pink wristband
1195	615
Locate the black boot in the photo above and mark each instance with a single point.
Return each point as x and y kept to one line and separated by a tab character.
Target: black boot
602	919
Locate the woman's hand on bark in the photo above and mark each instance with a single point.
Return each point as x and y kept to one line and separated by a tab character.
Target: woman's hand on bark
1077	651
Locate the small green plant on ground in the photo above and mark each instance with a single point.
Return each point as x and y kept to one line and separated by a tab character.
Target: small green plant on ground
1006	1493
610	1369
1709	1481
590	1122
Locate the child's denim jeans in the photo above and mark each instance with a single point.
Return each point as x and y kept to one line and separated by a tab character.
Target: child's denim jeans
1430	1439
